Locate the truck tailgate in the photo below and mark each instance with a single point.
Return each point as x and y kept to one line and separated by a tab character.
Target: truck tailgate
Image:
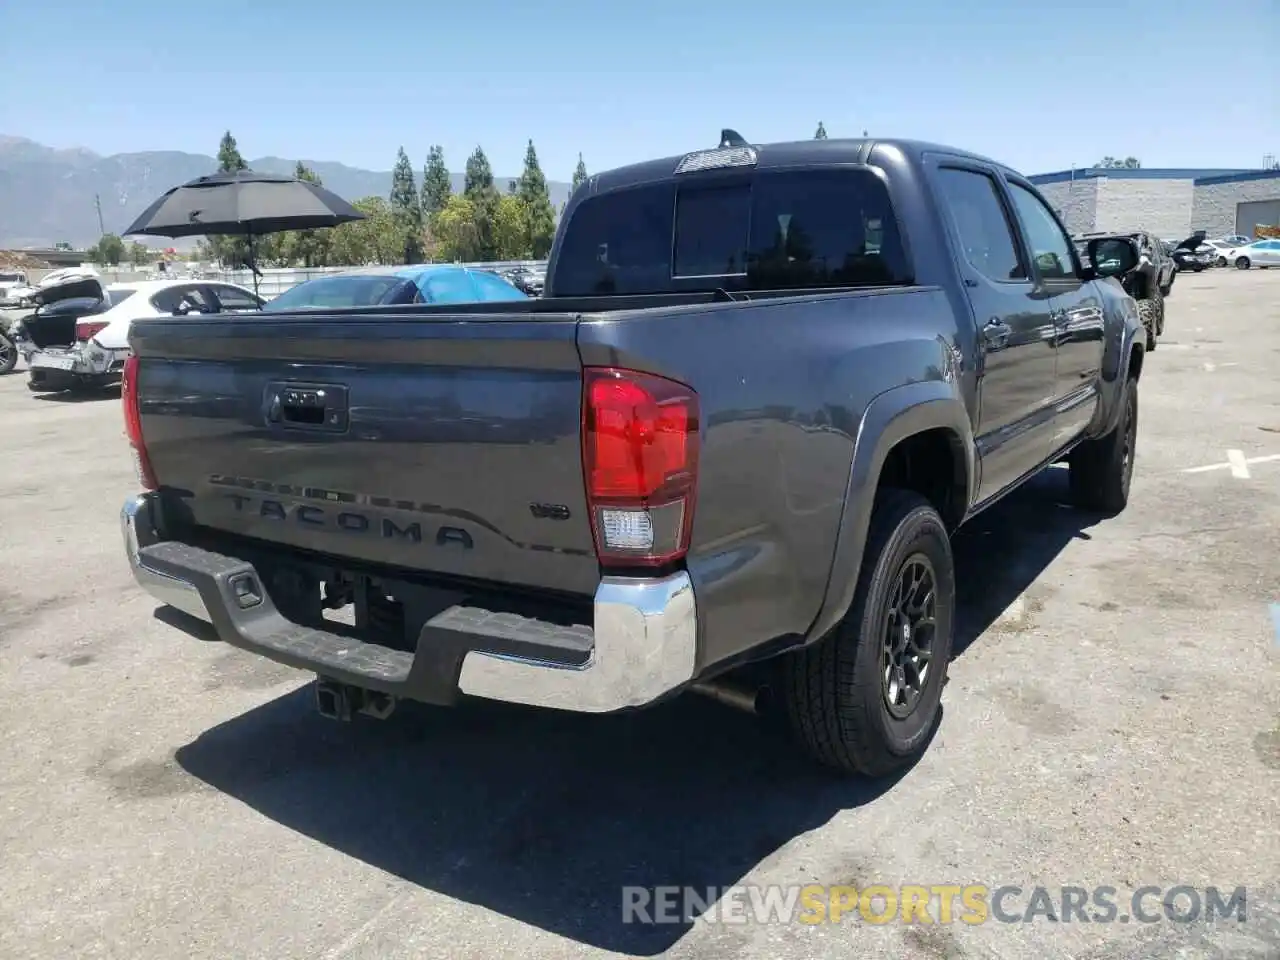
445	443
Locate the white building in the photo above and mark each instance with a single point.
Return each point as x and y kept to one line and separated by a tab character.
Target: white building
1171	203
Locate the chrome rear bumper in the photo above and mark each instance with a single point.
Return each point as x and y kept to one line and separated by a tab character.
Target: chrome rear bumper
643	639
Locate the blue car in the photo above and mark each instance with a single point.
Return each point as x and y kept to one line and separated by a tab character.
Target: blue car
382	286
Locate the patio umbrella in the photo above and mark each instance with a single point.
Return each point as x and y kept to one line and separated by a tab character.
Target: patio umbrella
243	203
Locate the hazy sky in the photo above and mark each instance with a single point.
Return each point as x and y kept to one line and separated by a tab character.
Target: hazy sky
1039	85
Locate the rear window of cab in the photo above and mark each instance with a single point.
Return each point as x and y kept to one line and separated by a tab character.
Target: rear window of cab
797	229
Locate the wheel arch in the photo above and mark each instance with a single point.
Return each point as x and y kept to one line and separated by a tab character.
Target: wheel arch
918	435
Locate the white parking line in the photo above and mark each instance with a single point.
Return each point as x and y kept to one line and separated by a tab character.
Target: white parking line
1210	367
1239	465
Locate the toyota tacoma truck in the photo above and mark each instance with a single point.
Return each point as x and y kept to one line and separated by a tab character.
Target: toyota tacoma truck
764	386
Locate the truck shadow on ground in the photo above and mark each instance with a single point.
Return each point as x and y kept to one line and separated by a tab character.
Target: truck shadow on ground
539	816
547	817
80	396
1004	550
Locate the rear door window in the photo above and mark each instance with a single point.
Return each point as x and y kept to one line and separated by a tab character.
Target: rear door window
774	230
189	299
232	298
981	223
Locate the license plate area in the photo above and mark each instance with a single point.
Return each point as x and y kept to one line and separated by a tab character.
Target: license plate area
52	361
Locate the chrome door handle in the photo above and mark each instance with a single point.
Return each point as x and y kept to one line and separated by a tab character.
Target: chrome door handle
996	330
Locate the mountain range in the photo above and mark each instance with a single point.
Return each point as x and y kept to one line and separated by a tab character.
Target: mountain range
49	196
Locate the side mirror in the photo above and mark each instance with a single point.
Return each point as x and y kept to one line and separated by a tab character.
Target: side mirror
1112	256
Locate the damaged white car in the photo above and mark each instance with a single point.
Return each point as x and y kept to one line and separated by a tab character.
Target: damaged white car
78	337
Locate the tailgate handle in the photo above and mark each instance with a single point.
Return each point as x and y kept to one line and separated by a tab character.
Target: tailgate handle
307	406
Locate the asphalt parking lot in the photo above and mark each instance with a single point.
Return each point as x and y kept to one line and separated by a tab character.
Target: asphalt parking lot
1113	718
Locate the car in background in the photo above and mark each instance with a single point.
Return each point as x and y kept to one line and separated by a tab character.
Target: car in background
78	337
1147	281
1235	240
1259	253
525	279
1192	253
11	281
388	286
1219	250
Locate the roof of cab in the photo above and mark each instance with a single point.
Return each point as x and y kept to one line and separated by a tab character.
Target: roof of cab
791	153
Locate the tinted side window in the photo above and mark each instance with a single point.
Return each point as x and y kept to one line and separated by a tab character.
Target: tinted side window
169	301
1050	247
233	299
972	200
785	230
830	228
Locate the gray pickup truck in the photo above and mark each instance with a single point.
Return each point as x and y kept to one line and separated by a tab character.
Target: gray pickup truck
764	386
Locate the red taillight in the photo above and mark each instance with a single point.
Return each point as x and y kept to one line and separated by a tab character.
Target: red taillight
133	424
640	445
89	328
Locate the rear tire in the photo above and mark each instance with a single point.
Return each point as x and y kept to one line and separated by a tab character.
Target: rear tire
1149	313
8	355
1101	470
865	698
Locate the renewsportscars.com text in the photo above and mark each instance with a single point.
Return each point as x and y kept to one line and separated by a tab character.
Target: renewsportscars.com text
934	903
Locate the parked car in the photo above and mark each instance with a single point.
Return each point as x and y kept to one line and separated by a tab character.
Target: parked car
1217	250
765	385
1235	240
1260	253
1148	281
11	281
1194	254
388	286
78	336
526	279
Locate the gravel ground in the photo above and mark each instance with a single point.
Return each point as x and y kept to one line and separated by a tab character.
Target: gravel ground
1113	718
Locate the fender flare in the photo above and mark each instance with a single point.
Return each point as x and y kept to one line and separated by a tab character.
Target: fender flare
890	418
1115	375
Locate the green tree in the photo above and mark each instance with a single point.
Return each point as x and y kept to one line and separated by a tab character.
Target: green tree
307	248
479	177
375	239
540	215
454	230
479	189
1112	163
436	183
511	229
139	254
229	159
406	207
108	251
821	133
579	173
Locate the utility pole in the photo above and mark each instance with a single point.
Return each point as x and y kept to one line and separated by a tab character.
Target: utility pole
97	202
